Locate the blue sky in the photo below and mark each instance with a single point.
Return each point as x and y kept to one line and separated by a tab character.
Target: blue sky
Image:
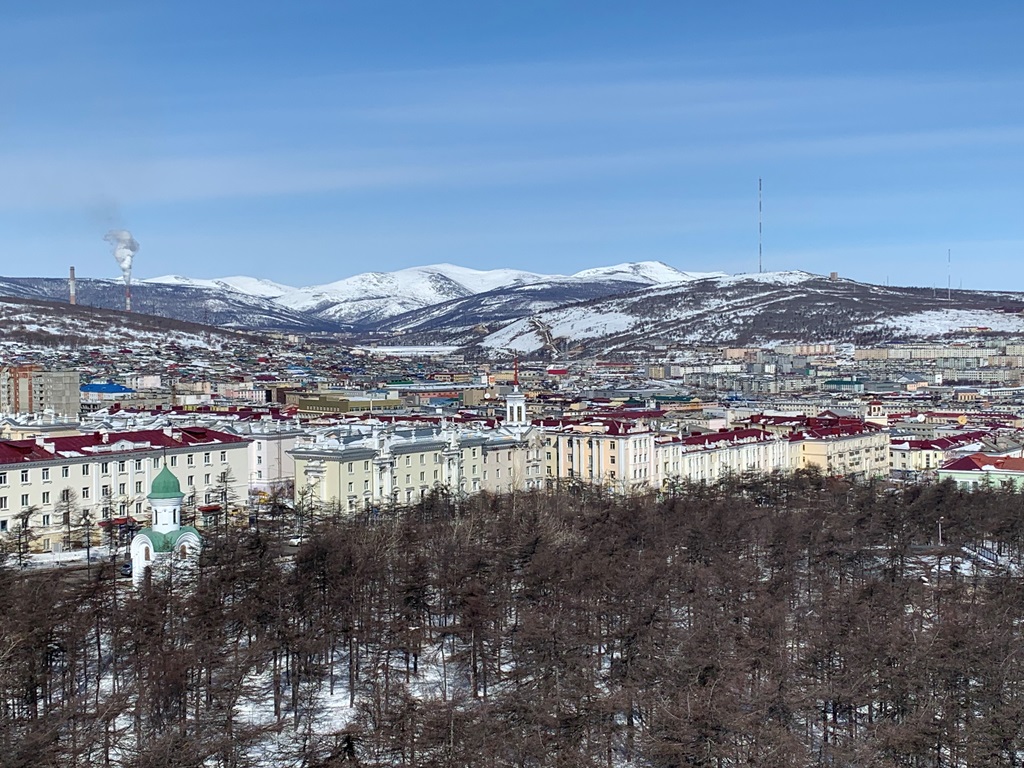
304	142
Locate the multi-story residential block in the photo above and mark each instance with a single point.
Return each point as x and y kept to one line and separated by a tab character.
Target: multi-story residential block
49	484
30	389
857	451
616	453
716	455
363	466
401	465
271	466
910	458
981	470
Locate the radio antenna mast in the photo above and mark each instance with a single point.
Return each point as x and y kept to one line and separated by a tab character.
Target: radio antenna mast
949	274
760	267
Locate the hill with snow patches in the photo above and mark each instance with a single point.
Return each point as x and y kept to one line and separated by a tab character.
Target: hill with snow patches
622	307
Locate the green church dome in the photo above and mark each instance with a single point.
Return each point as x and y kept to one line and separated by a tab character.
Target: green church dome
166	486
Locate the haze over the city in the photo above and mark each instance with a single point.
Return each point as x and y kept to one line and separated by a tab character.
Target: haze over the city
305	144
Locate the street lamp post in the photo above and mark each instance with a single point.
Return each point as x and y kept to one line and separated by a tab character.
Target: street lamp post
941	521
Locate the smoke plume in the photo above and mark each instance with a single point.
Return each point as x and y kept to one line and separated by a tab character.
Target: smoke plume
125	247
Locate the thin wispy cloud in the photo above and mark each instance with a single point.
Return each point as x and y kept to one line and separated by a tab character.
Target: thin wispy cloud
409	133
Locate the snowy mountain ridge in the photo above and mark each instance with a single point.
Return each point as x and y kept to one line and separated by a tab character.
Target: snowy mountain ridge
625	307
372	297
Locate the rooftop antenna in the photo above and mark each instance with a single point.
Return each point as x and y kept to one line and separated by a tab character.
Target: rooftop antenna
759	263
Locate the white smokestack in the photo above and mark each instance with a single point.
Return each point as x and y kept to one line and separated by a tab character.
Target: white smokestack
125	247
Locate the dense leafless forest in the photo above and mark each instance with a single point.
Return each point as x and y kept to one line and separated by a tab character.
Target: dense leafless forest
787	621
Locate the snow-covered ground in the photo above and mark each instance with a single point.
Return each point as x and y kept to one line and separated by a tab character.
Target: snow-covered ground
941	321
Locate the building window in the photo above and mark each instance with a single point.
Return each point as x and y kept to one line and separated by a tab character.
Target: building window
190	460
138	487
120	466
156	463
191	480
24	499
223	456
85	493
206	479
174	461
85	469
138	465
65	471
46	519
105	467
122	489
46	497
46	475
259	460
24	475
3	524
206	459
3	478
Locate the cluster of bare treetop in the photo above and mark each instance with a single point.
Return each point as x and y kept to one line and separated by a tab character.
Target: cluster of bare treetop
785	621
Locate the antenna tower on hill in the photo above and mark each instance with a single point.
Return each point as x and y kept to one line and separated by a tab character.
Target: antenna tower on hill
949	274
760	267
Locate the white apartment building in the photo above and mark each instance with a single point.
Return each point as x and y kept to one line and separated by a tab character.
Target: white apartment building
716	455
107	475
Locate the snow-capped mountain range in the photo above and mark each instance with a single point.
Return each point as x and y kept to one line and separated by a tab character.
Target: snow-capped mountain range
624	307
372	297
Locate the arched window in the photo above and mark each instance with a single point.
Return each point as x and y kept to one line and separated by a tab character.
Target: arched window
145	554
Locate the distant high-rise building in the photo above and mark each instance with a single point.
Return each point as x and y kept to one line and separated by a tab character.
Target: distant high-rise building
30	389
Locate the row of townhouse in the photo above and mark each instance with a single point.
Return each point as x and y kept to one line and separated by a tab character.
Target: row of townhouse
48	485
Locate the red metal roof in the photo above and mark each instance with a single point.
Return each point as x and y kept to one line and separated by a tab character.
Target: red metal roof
81	446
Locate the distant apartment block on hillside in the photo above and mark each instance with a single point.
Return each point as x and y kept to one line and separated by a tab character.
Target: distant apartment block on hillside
30	389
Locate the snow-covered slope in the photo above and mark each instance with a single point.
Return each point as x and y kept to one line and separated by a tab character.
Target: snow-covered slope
372	297
646	272
760	309
626	306
251	286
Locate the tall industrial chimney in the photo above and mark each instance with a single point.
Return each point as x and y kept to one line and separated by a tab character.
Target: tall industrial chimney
128	297
71	286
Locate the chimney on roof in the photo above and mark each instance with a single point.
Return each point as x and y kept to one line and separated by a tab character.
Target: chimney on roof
71	287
